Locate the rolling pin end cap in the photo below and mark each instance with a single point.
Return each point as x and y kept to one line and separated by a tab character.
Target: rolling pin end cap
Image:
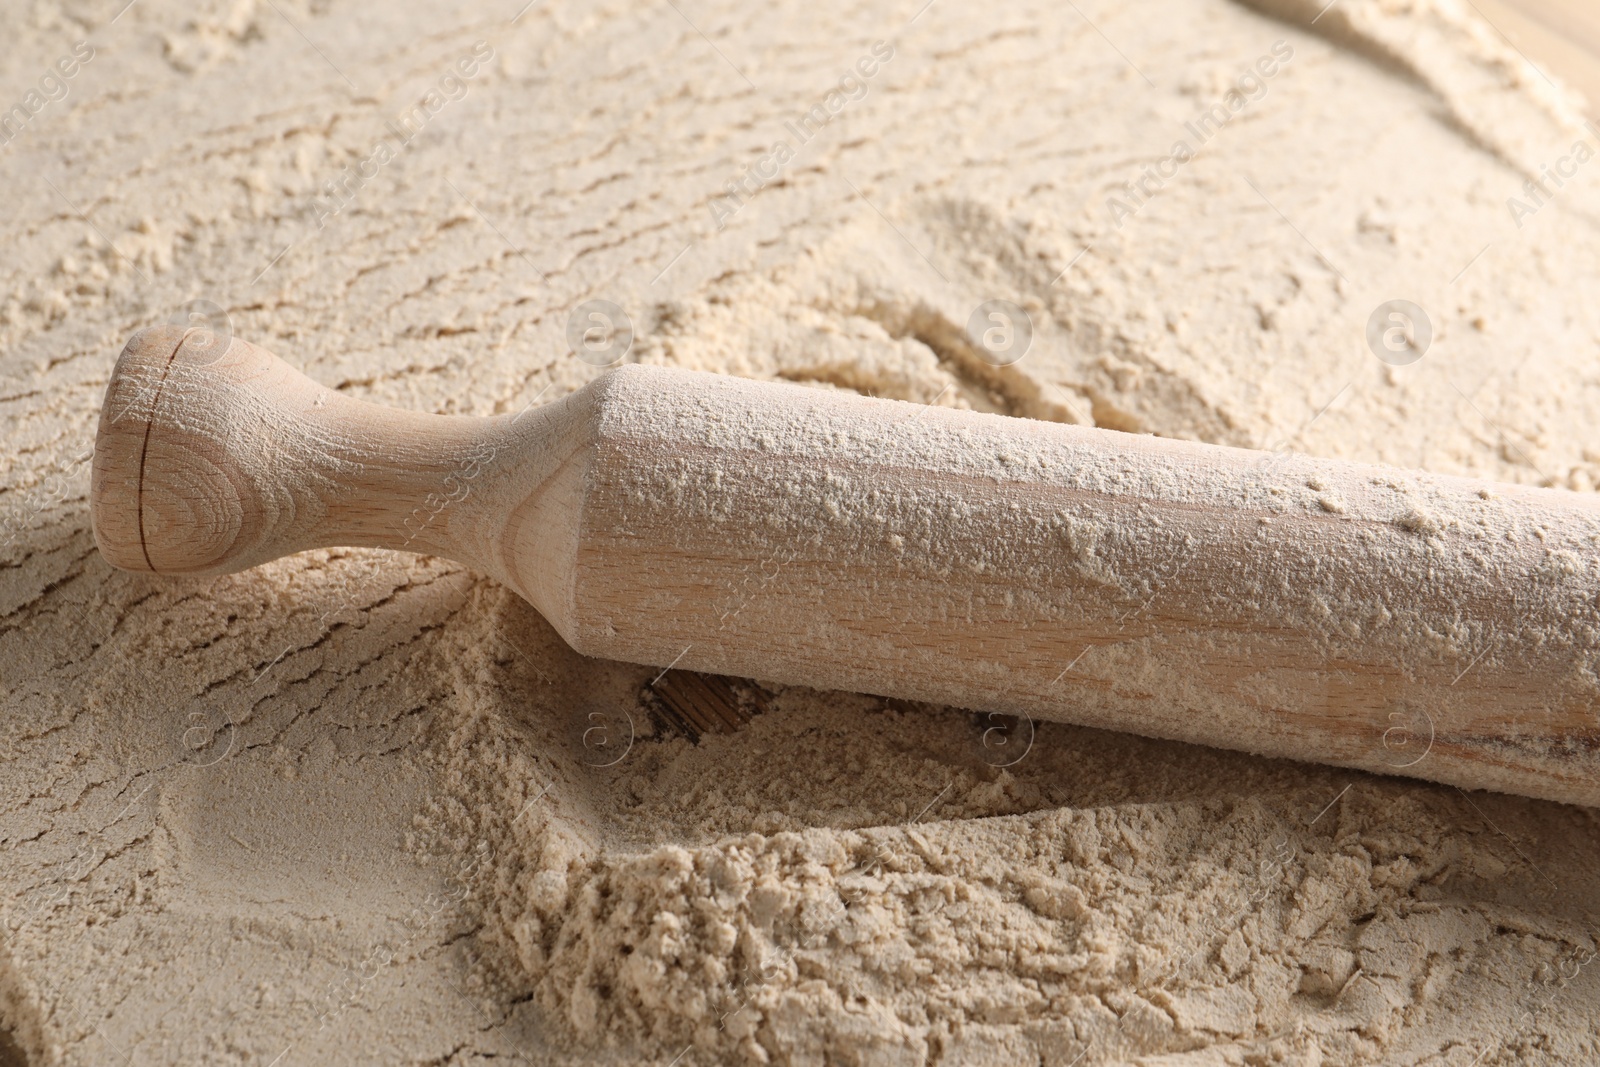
144	446
125	420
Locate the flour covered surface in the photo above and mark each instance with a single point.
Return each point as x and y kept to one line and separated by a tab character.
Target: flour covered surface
362	806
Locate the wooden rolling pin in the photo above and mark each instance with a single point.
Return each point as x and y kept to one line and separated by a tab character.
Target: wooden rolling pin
1362	616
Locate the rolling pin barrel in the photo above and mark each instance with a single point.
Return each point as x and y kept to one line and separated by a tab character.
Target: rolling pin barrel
1357	615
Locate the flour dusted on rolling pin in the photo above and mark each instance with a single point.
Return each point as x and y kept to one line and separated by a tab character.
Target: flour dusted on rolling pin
1351	614
1285	605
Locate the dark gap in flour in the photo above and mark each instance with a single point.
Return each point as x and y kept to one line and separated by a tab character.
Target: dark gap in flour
990	385
690	704
11	1054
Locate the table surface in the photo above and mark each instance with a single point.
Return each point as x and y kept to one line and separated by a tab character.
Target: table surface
1561	36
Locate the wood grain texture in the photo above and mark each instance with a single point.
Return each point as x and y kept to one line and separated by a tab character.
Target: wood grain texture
1358	615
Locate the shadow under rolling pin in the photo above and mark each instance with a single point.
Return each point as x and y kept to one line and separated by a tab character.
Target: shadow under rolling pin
1357	615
